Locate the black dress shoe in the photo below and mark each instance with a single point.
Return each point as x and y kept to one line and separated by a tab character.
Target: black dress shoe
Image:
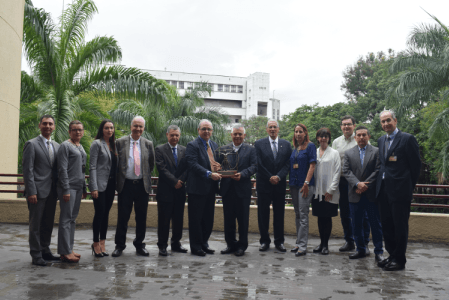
318	249
179	248
394	266
227	250
357	255
39	261
239	252
294	250
117	253
163	252
367	252
347	247
208	250
142	251
281	248
198	252
50	256
384	262
325	251
300	253
378	258
264	247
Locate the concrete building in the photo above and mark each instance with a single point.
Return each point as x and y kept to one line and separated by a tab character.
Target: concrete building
239	97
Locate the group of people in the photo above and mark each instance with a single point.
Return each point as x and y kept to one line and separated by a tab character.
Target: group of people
373	187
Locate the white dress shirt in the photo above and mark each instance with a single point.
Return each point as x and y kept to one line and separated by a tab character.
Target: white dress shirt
276	142
130	170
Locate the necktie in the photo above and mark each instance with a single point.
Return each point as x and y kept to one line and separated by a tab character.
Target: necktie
136	159
212	161
387	146
275	151
51	153
362	156
175	156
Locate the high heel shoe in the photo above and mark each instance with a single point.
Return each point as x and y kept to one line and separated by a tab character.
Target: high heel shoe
95	253
64	258
103	249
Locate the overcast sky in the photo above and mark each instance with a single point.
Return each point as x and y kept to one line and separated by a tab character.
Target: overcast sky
304	45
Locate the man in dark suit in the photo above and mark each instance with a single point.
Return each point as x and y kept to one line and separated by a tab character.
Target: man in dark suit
236	190
360	168
273	163
135	164
40	175
397	178
171	191
202	185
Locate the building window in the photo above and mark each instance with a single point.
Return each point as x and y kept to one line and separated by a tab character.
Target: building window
181	85
174	83
220	88
226	89
211	86
274	113
240	89
189	85
233	88
278	114
236	120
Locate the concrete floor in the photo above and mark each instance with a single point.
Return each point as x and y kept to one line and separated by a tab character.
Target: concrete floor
257	275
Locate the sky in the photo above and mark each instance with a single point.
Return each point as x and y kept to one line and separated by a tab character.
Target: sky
304	45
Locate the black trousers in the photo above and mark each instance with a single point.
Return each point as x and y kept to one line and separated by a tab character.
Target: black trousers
42	218
235	208
394	216
132	193
102	207
174	211
277	199
325	229
201	211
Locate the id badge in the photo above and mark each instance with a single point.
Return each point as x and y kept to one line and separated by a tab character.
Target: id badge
295	166
393	158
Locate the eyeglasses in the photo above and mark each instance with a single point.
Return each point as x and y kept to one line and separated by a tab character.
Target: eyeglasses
347	124
206	129
272	127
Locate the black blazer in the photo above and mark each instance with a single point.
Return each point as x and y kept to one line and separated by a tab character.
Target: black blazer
247	166
198	164
401	175
169	173
267	166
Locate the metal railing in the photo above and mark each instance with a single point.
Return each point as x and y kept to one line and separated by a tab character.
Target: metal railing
421	187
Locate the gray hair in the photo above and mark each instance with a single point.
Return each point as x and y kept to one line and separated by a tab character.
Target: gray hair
238	126
273	120
173	127
205	121
138	118
389	111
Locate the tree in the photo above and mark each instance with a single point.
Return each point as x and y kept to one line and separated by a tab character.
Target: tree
255	128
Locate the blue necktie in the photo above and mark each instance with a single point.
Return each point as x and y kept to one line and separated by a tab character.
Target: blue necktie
175	156
362	156
275	151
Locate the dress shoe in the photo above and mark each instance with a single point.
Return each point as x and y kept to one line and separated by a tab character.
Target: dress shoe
227	250
103	249
95	253
384	262
318	249
394	266
198	252
39	261
142	251
281	248
163	252
347	247
50	256
294	250
378	258
117	252
239	252
300	253
325	251
367	252
208	250
179	248
357	255
264	247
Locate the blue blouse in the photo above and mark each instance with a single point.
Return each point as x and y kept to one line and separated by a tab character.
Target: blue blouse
303	158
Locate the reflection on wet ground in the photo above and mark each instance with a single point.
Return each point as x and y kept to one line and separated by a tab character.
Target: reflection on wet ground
257	275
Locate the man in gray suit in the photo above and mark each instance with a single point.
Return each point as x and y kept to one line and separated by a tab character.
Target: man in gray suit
360	168
135	164
40	175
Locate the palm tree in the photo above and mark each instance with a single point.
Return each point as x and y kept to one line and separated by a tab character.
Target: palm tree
423	77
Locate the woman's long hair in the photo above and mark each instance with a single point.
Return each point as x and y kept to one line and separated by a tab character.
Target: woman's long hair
100	134
306	138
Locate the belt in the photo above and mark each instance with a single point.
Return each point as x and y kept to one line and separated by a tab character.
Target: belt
134	181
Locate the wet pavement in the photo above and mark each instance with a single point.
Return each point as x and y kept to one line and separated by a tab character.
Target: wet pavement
256	275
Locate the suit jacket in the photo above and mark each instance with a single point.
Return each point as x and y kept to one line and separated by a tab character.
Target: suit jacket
38	174
267	166
198	164
401	175
100	165
169	173
354	172
146	161
247	166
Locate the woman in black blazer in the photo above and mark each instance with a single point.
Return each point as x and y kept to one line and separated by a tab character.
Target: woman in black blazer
103	166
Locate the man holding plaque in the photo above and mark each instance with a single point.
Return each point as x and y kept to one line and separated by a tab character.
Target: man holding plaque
202	185
236	189
273	163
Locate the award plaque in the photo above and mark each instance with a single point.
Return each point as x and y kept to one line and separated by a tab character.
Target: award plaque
230	163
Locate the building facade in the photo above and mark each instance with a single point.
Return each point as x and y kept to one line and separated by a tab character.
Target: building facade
238	97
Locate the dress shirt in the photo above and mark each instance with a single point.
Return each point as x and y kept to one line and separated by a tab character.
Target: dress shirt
176	148
327	174
45	142
236	148
130	171
276	142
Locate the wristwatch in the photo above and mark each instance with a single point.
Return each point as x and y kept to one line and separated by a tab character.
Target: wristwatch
210	175
306	182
